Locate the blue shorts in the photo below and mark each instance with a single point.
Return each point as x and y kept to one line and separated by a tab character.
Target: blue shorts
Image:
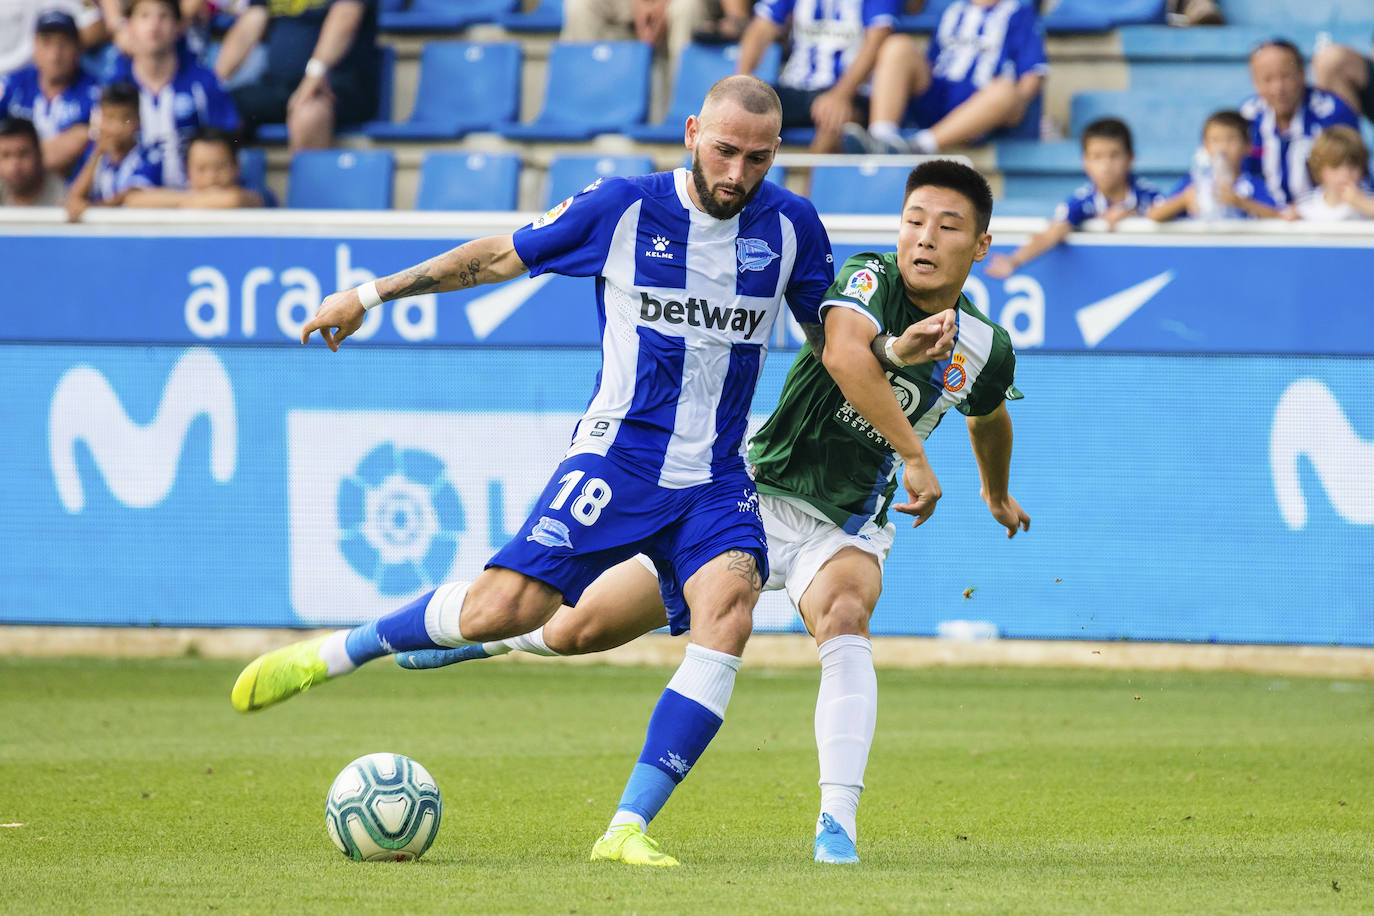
594	514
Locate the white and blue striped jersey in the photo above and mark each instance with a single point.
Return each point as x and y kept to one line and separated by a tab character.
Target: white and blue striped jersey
826	35
1283	155
686	304
973	44
141	167
1088	202
21	97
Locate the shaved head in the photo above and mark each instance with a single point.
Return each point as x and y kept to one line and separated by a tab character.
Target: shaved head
748	92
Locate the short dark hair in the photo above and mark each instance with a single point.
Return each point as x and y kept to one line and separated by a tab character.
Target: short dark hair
1227	118
121	93
1109	129
946	173
215	135
1281	43
19	127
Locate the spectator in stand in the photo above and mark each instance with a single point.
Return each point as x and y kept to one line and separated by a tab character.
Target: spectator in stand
1111	194
824	83
176	95
18	19
1223	182
23	180
983	68
728	27
1285	116
212	171
323	68
1340	166
1347	73
116	161
667	24
53	93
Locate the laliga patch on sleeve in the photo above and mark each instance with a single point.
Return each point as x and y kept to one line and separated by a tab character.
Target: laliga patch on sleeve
552	215
861	285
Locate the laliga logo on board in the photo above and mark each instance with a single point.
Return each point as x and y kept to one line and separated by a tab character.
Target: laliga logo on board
955	374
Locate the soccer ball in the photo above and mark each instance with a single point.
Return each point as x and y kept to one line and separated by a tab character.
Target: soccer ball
383	808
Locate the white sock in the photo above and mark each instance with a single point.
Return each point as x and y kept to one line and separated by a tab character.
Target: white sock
887	132
442	613
532	642
706	676
846	714
924	142
627	817
335	656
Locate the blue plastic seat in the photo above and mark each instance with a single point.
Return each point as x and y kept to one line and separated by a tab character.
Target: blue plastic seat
253	173
1279	13
1164	116
924	21
468	181
443	15
864	188
463	87
341	179
570	174
698	69
547	17
386	82
1102	15
593	88
1065	157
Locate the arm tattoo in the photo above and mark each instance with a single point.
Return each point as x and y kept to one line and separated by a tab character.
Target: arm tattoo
435	275
743	565
416	281
879	348
815	335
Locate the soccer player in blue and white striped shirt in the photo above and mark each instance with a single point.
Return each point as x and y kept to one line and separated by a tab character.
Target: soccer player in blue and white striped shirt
692	268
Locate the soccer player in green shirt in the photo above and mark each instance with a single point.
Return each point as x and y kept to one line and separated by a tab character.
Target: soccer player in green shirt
900	335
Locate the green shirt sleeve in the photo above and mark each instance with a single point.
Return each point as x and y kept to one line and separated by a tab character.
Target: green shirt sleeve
861	284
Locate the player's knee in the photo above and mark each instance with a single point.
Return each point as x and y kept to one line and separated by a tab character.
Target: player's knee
572	637
844	614
501	604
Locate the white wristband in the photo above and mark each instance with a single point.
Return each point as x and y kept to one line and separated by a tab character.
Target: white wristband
316	67
891	350
367	295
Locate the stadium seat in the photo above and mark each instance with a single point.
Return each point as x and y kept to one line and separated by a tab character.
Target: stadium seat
924	21
386	82
1102	15
485	76
1041	207
253	173
547	17
1165	116
341	180
698	69
443	15
593	88
864	188
570	174
468	181
1279	13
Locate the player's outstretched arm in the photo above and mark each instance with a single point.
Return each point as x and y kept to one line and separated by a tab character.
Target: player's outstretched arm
851	363
486	260
991	437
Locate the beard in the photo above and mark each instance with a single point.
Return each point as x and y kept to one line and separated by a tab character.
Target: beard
708	199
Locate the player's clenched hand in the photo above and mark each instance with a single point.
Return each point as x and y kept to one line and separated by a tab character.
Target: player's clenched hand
928	340
1008	513
922	489
338	316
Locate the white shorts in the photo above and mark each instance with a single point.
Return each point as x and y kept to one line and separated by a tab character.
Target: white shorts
800	541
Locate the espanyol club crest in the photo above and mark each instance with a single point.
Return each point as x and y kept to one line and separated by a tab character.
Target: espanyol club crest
955	374
754	254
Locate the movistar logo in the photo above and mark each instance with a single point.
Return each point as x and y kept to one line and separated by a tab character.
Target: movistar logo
699	313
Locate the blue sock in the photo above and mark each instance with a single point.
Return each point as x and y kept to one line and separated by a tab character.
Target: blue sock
679	731
399	631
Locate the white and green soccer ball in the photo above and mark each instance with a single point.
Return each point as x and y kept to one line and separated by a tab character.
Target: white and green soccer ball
383	808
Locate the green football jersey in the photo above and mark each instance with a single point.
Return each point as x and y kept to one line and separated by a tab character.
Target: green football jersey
817	447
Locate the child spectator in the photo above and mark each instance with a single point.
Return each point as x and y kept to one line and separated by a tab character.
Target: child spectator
1111	194
1340	167
984	67
177	95
212	173
1285	116
824	82
53	93
1223	182
23	180
115	161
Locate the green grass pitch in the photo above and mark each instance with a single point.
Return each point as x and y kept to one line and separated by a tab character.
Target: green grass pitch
1005	791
